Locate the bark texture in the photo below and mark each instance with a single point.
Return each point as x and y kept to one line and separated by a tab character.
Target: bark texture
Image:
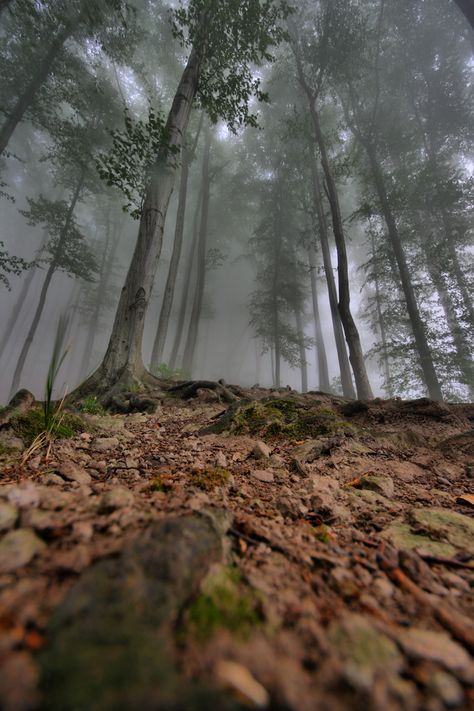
322	361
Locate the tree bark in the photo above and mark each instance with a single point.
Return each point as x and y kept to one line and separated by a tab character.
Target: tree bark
421	341
123	359
38	79
191	340
323	373
302	348
165	312
188	272
381	324
44	290
344	367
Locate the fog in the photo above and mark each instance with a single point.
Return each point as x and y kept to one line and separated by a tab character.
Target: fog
362	143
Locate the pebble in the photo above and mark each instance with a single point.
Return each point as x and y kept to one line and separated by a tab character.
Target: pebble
116	498
8	516
23	496
265	475
73	472
261	450
18	548
104	444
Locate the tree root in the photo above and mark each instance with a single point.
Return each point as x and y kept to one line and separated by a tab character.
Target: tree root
188	389
19	404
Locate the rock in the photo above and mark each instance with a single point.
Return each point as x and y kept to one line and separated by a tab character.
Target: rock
401	535
131	463
83	531
52	480
378	483
18	548
25	495
437	647
406	471
366	652
308	451
221	460
445	687
40	520
8	516
104	444
261	450
8	440
238	678
116	498
73	472
265	475
459	443
76	560
457	528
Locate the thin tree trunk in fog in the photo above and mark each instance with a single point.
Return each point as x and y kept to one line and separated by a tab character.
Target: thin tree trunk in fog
344	367
381	324
421	341
178	336
302	348
323	373
191	340
123	359
44	290
467	8
165	312
38	79
364	391
25	287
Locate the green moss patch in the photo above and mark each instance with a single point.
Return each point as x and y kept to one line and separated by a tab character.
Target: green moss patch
27	426
210	478
225	602
288	418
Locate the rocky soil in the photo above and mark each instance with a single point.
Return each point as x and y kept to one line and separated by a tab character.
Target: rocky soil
264	549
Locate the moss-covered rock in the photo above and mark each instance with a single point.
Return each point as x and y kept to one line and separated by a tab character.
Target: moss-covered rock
28	425
210	478
454	527
401	535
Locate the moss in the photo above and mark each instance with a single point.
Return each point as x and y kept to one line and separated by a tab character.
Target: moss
288	418
210	478
30	424
161	483
223	603
92	406
321	533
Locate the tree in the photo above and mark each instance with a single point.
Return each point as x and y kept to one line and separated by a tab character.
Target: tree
467	8
218	72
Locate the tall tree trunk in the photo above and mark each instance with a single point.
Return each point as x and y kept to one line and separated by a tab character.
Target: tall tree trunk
37	80
123	359
421	341
344	367
381	325
323	373
25	287
191	340
302	349
165	312
44	290
188	272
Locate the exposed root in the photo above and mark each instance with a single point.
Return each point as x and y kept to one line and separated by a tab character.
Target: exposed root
19	404
189	389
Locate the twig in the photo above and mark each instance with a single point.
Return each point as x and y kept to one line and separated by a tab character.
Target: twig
450	562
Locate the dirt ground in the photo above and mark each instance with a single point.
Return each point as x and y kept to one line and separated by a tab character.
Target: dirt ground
346	574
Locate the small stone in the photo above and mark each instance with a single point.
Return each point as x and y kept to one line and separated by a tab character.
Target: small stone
116	498
85	436
40	520
52	480
380	484
445	687
237	677
18	548
8	516
73	472
23	496
221	460
104	444
131	463
261	450
75	560
265	475
437	647
83	531
383	588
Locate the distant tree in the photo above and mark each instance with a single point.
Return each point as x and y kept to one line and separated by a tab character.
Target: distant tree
10	265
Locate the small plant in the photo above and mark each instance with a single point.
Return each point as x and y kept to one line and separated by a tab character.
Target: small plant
164	371
92	406
209	478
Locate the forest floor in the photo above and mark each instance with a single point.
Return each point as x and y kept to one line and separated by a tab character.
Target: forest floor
293	552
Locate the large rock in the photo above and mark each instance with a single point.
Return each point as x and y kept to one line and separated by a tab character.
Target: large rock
8	516
456	528
108	647
73	472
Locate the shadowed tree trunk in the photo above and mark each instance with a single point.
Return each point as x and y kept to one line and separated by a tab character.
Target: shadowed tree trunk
165	312
323	373
191	340
302	349
37	80
467	8
381	325
344	367
122	365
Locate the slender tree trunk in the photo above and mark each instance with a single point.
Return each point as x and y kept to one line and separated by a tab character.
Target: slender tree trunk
37	80
421	341
49	275
165	312
381	324
302	349
123	359
188	272
323	373
344	367
191	340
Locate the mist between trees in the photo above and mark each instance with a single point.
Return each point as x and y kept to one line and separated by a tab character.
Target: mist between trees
300	178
